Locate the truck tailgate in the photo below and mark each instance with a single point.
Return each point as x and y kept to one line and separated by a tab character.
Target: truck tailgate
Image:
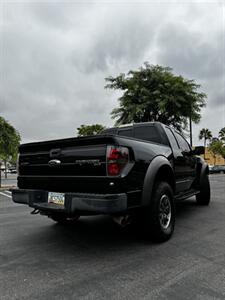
65	160
68	157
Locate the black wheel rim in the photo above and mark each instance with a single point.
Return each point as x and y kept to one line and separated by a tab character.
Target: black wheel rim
164	211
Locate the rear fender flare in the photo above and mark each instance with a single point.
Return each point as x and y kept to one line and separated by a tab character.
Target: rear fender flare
204	171
157	164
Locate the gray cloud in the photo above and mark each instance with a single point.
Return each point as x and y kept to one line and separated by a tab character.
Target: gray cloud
54	58
190	52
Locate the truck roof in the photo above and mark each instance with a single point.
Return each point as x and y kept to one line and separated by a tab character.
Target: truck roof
132	125
157	134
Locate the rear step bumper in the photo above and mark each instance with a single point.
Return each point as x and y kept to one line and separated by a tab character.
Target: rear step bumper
74	202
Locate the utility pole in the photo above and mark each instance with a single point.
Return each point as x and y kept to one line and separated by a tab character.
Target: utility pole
190	124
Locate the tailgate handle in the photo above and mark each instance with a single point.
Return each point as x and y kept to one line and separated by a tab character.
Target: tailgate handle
55	152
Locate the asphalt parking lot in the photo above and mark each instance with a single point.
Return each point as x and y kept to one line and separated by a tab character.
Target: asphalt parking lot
96	260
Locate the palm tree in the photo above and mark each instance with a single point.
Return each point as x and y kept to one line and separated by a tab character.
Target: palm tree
222	134
205	134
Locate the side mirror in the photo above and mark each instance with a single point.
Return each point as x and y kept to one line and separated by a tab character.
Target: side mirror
187	153
198	150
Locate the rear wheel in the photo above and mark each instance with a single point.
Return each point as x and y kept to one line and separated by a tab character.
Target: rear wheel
160	215
203	198
61	219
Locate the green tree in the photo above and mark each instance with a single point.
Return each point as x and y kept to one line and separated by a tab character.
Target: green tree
154	93
222	134
9	142
205	134
85	130
217	147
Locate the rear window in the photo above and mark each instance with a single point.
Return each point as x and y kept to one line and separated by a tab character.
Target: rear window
147	133
109	131
126	132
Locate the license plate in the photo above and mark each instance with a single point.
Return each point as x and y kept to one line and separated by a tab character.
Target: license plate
56	198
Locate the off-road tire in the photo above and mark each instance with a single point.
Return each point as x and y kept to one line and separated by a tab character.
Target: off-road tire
203	198
159	219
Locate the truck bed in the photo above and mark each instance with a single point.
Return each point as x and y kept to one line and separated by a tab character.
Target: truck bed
83	164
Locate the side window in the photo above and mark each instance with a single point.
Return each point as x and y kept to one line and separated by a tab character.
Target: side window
126	132
147	133
182	142
172	139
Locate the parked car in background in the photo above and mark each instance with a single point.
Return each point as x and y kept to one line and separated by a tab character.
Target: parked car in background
217	169
13	171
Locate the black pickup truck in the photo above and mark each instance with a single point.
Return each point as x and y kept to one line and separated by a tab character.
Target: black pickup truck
136	171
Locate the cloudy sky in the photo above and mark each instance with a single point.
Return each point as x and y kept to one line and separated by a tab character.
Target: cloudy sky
55	55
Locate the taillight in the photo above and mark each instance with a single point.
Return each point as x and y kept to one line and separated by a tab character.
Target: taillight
117	158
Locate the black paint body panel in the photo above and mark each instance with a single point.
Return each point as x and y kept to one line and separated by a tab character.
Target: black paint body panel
83	166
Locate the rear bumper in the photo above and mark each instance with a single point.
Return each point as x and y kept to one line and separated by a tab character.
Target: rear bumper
74	202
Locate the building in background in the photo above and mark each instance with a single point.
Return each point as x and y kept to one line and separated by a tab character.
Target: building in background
212	159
